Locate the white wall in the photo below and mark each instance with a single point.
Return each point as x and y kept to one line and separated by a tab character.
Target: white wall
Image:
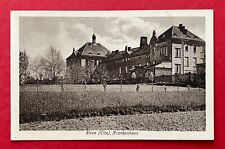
199	55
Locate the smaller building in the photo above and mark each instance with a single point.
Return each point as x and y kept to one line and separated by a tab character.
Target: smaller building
82	63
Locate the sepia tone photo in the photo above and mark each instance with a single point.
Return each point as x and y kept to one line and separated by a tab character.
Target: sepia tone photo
112	75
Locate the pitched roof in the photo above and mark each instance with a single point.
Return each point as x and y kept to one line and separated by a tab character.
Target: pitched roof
176	32
93	49
117	55
73	55
140	51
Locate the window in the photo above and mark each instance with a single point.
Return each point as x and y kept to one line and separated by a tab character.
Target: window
178	68
186	63
194	61
126	70
139	64
120	70
194	49
166	51
178	54
97	62
186	48
83	61
87	62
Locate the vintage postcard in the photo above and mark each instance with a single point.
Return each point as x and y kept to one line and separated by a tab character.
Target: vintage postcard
112	75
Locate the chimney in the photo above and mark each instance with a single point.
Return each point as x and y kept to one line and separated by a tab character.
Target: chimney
126	49
129	48
143	42
73	50
180	26
93	38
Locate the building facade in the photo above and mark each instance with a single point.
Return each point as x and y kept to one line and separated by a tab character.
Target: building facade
181	49
82	63
176	51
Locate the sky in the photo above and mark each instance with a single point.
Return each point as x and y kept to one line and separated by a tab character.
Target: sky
38	34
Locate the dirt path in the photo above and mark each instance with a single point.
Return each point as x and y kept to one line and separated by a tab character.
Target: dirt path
178	121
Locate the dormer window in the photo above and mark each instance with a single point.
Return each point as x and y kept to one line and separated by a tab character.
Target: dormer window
89	52
175	34
98	54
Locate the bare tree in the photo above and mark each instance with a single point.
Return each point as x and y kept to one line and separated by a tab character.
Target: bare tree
53	64
23	66
100	73
36	68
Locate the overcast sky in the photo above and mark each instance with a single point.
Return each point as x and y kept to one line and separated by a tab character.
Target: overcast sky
37	34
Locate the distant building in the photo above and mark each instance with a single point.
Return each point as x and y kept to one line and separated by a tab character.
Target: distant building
82	63
125	64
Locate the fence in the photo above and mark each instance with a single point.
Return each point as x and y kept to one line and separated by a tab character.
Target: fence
195	80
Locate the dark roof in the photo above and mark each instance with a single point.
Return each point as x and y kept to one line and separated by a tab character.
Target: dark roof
118	55
140	51
90	49
175	32
115	55
73	55
93	49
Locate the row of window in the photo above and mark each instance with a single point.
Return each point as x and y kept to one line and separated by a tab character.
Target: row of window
163	50
186	61
132	58
186	64
194	48
178	51
85	62
126	68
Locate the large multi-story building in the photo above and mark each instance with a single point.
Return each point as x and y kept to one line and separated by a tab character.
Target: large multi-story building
179	51
176	51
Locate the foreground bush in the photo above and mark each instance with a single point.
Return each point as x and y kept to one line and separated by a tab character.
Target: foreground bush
63	105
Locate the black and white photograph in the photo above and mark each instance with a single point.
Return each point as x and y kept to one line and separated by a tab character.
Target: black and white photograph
112	75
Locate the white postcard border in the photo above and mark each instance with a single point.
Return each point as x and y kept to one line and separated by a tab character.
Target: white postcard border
142	135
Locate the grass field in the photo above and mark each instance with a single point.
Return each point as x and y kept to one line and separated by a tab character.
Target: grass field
74	102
